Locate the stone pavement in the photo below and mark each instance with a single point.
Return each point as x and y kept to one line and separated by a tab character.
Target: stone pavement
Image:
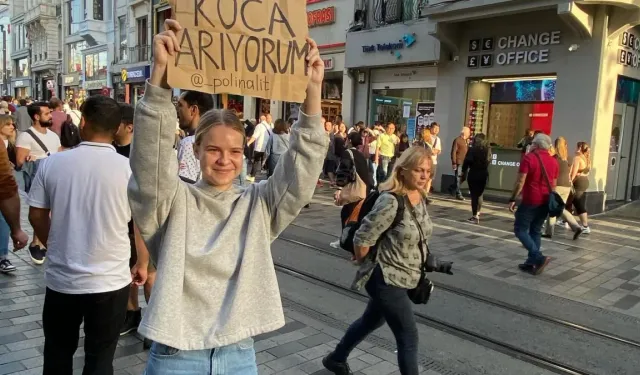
601	269
297	348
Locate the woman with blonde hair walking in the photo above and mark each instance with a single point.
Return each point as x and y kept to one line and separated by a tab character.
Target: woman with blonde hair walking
563	188
580	177
395	266
216	284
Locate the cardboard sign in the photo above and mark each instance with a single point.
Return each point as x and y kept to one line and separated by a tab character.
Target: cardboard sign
242	47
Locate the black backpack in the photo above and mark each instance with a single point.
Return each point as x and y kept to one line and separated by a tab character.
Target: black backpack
351	226
69	134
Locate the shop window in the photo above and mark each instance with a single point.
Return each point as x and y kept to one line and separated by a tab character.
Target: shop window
96	66
236	103
22	68
627	90
506	109
399	106
75	56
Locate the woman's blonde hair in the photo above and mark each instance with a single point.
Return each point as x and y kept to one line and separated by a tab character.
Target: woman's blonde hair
218	117
4	121
562	150
412	158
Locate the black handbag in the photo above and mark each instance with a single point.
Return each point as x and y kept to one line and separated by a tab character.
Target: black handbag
556	204
421	293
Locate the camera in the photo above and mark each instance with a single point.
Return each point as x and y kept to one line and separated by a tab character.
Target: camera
434	265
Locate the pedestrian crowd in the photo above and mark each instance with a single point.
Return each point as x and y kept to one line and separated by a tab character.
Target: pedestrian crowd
165	197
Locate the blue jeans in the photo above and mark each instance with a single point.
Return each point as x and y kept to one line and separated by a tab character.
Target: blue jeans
373	168
234	359
5	233
455	187
387	304
528	229
384	167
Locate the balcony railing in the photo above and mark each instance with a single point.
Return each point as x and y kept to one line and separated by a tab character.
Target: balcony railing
376	13
139	53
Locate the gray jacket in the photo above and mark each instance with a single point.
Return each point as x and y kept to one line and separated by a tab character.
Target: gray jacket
216	283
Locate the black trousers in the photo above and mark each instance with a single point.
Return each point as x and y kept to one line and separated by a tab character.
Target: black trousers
103	315
477	183
256	166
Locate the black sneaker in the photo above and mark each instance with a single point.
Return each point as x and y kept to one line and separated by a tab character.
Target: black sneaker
546	236
38	255
528	268
338	368
131	322
6	266
577	233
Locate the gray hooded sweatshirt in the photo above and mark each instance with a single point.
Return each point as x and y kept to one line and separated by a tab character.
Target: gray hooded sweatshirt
216	283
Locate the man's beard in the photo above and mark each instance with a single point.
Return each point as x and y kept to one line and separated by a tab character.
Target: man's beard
47	124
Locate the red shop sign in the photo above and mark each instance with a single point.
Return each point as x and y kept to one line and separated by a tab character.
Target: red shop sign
319	17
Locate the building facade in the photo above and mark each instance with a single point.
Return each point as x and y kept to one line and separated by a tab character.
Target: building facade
20	55
133	28
5	42
328	22
42	23
503	67
88	54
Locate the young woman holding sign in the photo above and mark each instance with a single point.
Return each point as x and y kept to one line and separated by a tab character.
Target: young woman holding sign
216	285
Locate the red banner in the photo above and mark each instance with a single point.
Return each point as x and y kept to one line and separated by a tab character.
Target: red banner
319	17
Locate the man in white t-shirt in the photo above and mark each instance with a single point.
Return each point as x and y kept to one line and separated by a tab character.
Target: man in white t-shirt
436	149
79	207
32	146
27	145
261	134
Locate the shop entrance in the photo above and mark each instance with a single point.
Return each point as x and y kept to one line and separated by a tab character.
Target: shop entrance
505	109
620	152
623	145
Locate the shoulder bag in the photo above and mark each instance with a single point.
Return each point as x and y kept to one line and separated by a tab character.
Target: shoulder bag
421	293
556	203
356	189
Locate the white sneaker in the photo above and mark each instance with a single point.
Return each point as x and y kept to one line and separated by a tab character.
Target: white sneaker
561	223
586	230
335	244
